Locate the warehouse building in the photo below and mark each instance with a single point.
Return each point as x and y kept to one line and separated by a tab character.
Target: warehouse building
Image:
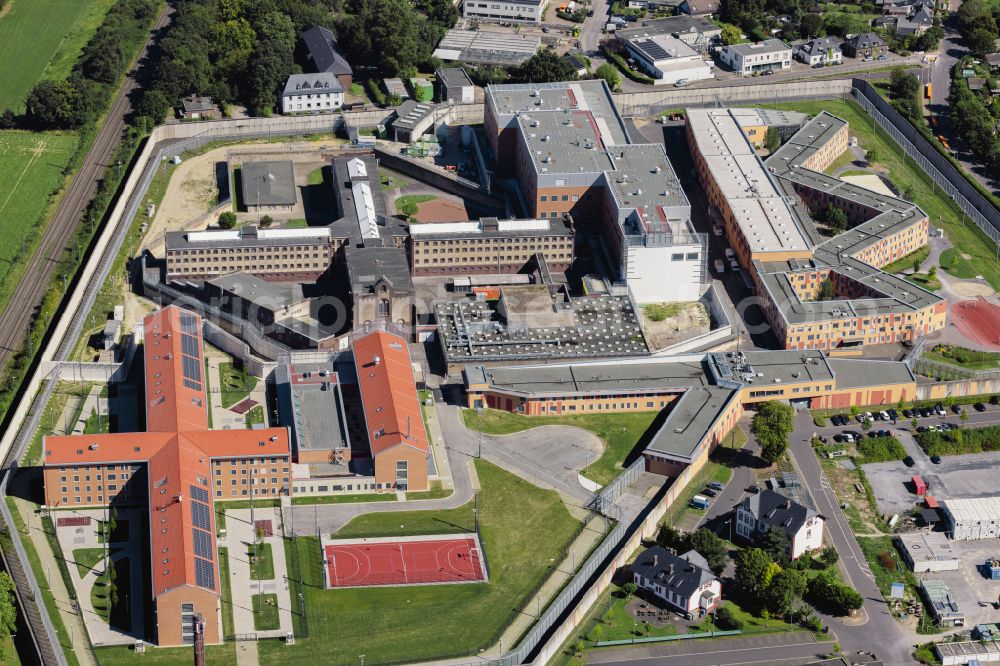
667	59
943	605
572	154
696	31
927	552
973	518
486	47
490	246
174	467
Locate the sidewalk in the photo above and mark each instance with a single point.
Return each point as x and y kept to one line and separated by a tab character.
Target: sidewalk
438	450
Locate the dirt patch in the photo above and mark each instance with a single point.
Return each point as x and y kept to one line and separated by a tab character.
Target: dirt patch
972	289
666	324
6	8
966	256
441	210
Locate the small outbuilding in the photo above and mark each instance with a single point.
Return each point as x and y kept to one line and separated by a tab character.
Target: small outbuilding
927	552
268	186
199	108
919	485
455	85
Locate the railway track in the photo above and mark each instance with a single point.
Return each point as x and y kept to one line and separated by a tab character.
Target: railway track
41	267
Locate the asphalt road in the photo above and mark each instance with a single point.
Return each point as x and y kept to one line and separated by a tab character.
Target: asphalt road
893	645
782	649
42	265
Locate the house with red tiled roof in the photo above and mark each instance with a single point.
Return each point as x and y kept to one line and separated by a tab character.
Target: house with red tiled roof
393	419
181	466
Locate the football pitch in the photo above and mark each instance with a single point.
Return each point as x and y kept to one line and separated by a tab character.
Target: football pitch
44	38
32	165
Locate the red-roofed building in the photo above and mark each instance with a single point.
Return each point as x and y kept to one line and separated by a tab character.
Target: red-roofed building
177	464
393	419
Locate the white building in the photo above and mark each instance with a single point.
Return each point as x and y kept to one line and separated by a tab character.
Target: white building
767	509
682	581
821	51
525	11
667	59
665	274
312	93
766	56
974	518
927	552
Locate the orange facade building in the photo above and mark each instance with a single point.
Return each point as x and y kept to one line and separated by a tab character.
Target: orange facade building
393	418
181	466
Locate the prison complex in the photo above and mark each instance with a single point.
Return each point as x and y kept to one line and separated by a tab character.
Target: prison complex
816	293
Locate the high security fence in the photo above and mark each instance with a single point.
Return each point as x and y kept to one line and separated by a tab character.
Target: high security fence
941	171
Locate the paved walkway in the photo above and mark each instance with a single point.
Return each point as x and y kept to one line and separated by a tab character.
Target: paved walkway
86	536
224	418
239	535
71	617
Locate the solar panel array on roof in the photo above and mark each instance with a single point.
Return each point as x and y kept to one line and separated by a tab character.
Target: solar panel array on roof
191	368
192	385
189	324
199	494
189	345
655	51
200	515
204	573
202	543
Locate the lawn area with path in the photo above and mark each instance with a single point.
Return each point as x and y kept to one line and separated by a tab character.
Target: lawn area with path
524	529
265	612
620	433
261	562
408	203
903	172
215	655
236	383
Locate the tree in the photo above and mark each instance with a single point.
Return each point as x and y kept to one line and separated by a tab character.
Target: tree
773	139
610	74
835	218
811	25
914	423
8	120
271	62
752	571
544	67
56	105
103	59
829	556
8	613
826	290
775	543
671	537
629	588
866	424
964	416
902	84
227	220
731	34
266	221
826	591
389	35
711	547
909	193
981	41
787	586
771	425
932	272
975	14
871	156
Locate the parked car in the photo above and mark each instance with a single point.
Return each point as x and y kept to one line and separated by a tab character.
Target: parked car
979	407
884	416
753	489
908	413
839	438
715	485
884	433
926	412
922	428
950	426
936	460
957	409
893	414
849	437
939	410
680	83
908	461
709	492
883	57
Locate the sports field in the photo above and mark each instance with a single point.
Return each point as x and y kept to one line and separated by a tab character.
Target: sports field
32	165
524	531
44	38
393	561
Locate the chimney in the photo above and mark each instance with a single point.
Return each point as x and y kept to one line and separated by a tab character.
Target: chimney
377	360
788	503
670	569
656	560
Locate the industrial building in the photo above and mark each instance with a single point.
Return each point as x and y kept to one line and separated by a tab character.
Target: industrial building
973	518
705	394
455	86
572	154
490	246
749	59
412	120
944	608
765	210
697	32
509	11
178	466
486	47
665	58
927	552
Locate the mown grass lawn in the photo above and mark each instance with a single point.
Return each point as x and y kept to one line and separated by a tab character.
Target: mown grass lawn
44	38
903	172
236	383
215	655
88	559
524	529
620	432
265	612
261	562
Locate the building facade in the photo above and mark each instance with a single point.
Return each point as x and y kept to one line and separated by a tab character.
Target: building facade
667	59
749	59
519	11
312	93
767	510
683	582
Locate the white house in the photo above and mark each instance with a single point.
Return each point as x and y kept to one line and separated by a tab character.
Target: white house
682	581
667	59
312	93
821	51
766	56
758	513
523	11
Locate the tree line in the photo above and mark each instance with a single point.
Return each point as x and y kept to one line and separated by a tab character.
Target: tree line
974	115
79	99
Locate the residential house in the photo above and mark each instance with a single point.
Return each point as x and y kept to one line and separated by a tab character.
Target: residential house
683	581
821	51
766	56
865	45
312	93
916	23
199	108
993	60
325	54
767	509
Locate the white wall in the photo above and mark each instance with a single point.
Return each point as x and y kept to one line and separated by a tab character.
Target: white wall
805	543
312	103
654	277
503	10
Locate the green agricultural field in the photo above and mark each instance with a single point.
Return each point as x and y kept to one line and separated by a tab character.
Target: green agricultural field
32	165
525	530
903	172
44	38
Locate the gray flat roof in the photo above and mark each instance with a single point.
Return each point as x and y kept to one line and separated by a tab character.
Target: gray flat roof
857	373
367	265
453	77
311	392
673	25
268	183
251	288
487	47
758	48
690	418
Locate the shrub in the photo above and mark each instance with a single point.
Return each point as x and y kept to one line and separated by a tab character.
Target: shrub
953	442
725	620
887	561
881	449
227	220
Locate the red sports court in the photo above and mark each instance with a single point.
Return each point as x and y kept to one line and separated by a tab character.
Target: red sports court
418	561
979	321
